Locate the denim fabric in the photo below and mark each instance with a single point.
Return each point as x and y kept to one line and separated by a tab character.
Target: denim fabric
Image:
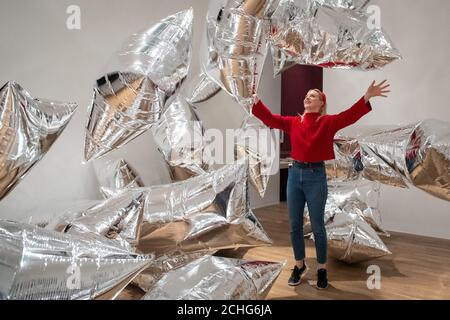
307	186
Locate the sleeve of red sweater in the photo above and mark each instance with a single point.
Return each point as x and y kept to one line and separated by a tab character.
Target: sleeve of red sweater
272	120
351	115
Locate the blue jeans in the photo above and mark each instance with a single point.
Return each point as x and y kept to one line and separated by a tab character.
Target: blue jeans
307	186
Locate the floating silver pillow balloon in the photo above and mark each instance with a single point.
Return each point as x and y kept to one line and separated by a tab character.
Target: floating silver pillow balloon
419	154
38	264
258	144
179	137
215	278
327	34
234	50
119	218
352	164
116	175
202	214
28	129
352	240
205	213
130	99
361	198
347	165
162	266
204	89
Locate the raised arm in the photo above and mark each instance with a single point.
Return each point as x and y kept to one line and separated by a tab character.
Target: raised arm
272	120
360	108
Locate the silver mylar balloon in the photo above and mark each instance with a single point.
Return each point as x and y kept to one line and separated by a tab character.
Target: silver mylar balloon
202	214
352	164
258	143
116	175
329	34
118	218
179	136
130	99
361	198
419	154
161	266
215	278
38	264
234	50
204	89
347	165
205	213
28	129
352	240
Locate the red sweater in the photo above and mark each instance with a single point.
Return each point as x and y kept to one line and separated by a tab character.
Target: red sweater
312	135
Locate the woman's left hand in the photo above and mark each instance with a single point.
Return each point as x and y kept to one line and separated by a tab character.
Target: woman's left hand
379	90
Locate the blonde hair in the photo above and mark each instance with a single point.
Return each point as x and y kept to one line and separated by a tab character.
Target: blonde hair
322	98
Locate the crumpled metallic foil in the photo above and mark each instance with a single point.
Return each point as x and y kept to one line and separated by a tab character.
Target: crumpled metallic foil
352	240
419	154
352	164
257	143
131	98
115	175
361	198
179	136
204	89
215	278
347	165
118	218
203	214
38	264
234	50
161	266
328	34
28	129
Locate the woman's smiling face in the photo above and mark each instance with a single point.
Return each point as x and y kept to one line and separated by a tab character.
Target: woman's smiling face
313	102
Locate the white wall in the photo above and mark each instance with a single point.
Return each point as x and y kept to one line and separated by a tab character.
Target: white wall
50	61
420	90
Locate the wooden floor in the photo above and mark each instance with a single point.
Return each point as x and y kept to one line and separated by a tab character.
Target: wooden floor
419	267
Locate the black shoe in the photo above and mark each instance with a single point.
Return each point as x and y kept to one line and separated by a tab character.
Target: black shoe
322	279
296	276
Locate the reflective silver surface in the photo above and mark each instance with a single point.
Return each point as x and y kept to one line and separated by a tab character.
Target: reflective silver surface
204	89
116	175
215	278
419	154
329	34
361	198
179	137
256	142
202	214
205	213
161	266
130	99
234	49
38	264
352	240
28	129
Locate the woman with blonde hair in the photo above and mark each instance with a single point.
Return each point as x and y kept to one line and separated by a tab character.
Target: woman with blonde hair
312	135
